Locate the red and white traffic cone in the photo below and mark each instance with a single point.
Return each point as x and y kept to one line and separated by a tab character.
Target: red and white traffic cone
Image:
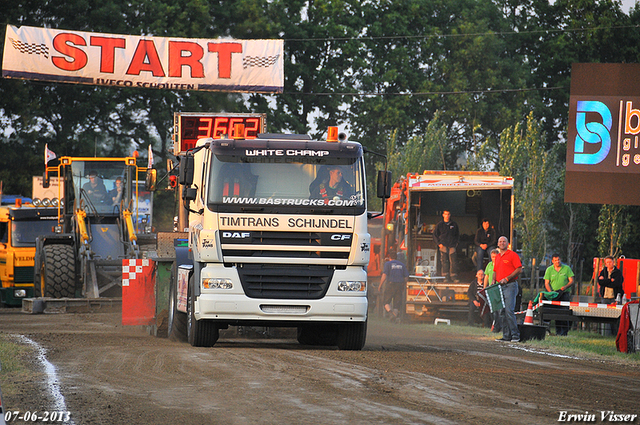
528	318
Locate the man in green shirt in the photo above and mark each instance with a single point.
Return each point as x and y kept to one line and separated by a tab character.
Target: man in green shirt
559	278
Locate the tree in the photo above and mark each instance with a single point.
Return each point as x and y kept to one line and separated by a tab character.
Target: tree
424	152
614	227
524	157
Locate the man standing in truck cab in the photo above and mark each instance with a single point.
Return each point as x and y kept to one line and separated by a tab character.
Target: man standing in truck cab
331	186
446	236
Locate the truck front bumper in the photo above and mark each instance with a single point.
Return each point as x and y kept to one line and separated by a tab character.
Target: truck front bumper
234	306
240	308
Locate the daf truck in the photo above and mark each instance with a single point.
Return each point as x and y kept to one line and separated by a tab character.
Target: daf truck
276	239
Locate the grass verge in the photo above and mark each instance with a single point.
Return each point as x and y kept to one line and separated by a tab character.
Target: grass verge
578	343
14	360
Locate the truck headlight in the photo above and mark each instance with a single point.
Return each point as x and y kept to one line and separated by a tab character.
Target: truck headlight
20	293
352	286
217	283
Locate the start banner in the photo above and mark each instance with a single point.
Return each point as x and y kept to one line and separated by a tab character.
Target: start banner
138	61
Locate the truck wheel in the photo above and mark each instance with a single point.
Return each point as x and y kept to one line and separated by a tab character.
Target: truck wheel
57	273
317	334
177	327
200	333
352	336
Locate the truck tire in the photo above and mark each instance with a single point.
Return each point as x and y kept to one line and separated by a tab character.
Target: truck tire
352	336
177	327
57	277
318	334
200	333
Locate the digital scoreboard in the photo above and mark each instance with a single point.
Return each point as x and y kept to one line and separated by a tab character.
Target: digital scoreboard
189	127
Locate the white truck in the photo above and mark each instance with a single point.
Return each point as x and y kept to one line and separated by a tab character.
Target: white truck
271	244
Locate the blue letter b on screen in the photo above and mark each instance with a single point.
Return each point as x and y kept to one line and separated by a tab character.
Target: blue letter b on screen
592	132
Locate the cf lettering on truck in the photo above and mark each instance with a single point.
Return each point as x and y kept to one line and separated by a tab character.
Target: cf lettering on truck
278	238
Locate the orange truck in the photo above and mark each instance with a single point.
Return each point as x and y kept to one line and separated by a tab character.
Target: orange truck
412	212
20	224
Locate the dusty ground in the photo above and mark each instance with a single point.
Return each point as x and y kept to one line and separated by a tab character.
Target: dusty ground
406	374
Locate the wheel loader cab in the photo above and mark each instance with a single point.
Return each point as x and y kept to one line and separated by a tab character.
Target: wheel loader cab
101	187
102	213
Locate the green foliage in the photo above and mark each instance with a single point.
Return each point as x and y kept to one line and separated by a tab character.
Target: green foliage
425	152
524	157
614	228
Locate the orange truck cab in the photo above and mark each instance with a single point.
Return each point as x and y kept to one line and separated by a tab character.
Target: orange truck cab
20	225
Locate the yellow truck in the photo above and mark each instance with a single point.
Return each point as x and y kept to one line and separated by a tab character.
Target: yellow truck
20	224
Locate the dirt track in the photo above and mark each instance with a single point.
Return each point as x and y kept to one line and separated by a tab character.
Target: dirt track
109	374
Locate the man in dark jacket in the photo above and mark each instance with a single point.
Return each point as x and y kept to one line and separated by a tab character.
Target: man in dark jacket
485	241
610	277
446	235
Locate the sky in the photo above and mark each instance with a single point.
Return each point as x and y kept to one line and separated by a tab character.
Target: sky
627	4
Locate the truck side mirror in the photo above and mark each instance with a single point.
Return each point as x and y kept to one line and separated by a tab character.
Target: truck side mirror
150	181
189	194
45	180
186	170
384	184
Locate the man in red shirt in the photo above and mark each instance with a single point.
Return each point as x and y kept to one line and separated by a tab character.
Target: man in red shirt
507	268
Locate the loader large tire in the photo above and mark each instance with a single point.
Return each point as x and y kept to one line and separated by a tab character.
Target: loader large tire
57	274
177	327
200	333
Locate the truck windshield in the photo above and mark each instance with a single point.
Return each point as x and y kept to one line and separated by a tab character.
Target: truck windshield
24	233
99	184
257	181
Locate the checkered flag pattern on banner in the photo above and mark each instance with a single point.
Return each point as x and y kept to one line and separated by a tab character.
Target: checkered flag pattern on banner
30	48
259	61
484	302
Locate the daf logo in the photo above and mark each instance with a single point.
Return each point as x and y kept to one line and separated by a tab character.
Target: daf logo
340	237
236	235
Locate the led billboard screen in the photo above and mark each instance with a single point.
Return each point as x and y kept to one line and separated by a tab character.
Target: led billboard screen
603	146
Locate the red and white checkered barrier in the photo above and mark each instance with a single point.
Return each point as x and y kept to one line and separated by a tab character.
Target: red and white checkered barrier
132	268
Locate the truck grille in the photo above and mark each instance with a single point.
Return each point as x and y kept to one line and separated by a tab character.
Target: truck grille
23	274
300	245
285	281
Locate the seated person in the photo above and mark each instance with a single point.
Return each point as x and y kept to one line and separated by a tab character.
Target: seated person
331	186
479	311
486	238
115	194
95	189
